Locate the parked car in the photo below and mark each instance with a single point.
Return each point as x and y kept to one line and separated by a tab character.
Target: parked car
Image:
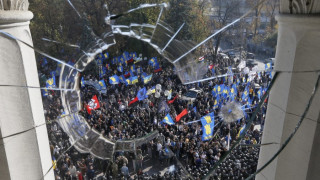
251	63
250	55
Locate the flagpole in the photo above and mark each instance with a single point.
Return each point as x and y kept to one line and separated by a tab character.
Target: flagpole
228	137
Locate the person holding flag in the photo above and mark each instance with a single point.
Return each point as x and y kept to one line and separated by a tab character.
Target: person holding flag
102	84
142	94
168	120
114	79
241	131
93	104
51	83
207	122
183	113
147	79
134	80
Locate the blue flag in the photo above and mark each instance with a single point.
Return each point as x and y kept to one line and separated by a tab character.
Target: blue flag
58	69
114	79
127	81
45	92
233	92
120	68
216	102
44	62
147	79
122	79
245	93
142	94
51	83
99	61
82	82
220	88
134	79
168	120
153	61
134	55
241	130
106	55
102	84
143	75
133	68
260	93
207	122
268	66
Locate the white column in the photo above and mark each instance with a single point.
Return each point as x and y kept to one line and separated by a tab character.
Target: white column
298	49
27	155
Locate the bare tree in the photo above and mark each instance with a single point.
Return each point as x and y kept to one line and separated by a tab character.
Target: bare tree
226	12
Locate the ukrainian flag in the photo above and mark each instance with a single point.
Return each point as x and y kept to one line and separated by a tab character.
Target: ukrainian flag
134	79
147	79
241	130
152	90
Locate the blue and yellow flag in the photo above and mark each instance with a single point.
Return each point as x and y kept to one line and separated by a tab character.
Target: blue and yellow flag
151	90
216	102
134	79
153	61
82	82
120	68
143	75
131	73
102	84
233	92
147	79
106	55
133	68
134	55
121	59
245	93
45	92
259	93
226	91
122	79
126	56
241	130
51	83
220	88
127	82
268	66
99	61
207	122
114	79
168	120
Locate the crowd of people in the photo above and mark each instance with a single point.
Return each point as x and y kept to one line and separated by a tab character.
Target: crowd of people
180	143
